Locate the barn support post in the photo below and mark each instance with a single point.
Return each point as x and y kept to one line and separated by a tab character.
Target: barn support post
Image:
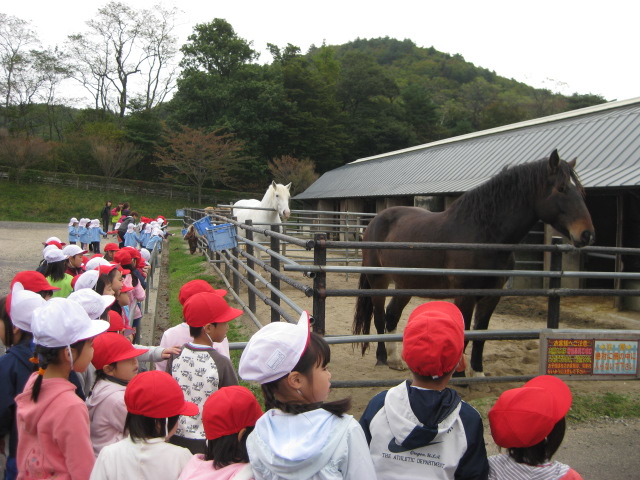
236	263
275	280
250	263
319	283
553	309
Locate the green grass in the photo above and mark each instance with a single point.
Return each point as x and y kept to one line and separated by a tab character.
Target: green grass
50	203
612	405
585	406
184	267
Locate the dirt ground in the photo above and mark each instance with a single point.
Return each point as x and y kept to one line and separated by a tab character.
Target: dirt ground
616	454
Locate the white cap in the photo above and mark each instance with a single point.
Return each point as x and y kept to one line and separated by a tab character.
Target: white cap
92	302
61	322
88	279
95	262
71	250
274	350
54	254
23	303
130	227
53	239
144	253
72	221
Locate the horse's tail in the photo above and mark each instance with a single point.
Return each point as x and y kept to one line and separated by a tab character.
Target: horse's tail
364	312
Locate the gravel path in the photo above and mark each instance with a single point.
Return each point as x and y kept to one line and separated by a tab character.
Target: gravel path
602	449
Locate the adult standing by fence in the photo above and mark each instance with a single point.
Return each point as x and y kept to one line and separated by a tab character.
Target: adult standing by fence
105	215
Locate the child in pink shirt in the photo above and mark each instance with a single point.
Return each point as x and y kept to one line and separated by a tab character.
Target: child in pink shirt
53	422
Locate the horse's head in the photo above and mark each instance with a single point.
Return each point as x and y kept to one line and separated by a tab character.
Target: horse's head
281	195
562	204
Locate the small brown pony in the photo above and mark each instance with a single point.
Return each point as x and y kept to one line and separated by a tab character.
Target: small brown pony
502	210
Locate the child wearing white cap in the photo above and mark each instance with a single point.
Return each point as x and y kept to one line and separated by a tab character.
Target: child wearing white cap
55	272
15	367
53	423
301	436
83	232
74	234
95	232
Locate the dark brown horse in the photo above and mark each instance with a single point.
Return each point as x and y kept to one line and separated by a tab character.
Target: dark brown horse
502	210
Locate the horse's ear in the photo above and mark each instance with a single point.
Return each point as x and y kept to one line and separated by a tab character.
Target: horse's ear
572	163
274	184
554	160
289	186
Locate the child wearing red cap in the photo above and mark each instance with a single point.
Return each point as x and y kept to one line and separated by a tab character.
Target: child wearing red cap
199	368
116	363
154	403
179	334
530	423
229	416
421	428
301	435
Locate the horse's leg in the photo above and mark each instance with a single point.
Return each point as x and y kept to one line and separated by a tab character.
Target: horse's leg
466	306
392	317
484	310
378	320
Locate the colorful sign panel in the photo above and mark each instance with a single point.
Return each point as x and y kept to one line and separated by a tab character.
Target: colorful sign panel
590	354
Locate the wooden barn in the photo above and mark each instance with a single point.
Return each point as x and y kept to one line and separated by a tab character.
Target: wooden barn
604	138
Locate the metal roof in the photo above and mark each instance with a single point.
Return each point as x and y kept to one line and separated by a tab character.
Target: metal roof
605	139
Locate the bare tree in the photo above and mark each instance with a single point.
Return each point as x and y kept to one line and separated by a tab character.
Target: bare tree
16	41
22	153
288	169
125	59
199	156
114	157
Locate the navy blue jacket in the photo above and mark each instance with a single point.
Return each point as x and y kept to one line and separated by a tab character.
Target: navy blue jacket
15	369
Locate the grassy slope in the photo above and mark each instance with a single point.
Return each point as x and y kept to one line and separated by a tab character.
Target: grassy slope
50	203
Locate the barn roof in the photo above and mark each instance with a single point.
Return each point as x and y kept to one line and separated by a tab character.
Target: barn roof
605	139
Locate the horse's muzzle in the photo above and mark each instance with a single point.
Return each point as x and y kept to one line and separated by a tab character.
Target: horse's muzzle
587	238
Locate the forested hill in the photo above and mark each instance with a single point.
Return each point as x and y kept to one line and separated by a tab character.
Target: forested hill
236	121
335	104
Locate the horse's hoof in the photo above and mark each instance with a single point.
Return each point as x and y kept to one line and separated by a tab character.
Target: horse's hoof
477	374
381	363
397	366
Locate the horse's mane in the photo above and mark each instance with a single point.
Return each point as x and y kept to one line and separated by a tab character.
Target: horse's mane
514	188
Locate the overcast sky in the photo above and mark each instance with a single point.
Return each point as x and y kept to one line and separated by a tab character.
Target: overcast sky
565	45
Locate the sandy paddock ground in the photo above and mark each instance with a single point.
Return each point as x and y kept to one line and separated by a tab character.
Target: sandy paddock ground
616	457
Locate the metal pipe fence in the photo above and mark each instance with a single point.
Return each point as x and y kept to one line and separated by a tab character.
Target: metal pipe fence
240	268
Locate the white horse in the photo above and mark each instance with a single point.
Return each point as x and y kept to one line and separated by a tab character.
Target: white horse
276	198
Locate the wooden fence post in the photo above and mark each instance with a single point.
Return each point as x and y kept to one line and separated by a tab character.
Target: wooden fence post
319	283
555	265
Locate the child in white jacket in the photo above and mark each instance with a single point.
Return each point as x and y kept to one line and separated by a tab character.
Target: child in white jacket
301	436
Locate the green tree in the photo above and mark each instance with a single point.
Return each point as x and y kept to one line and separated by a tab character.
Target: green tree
215	48
288	169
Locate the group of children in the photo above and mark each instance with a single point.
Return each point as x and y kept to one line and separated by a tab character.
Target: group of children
131	231
189	418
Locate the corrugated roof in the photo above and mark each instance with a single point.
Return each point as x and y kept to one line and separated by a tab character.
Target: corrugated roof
604	138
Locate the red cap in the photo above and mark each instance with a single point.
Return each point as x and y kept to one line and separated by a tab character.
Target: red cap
134	252
229	410
197	286
523	417
126	288
32	280
106	269
60	245
111	247
433	339
156	394
112	347
74	280
99	255
123	257
204	308
116	323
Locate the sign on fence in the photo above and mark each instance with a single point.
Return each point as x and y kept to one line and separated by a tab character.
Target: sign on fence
598	355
